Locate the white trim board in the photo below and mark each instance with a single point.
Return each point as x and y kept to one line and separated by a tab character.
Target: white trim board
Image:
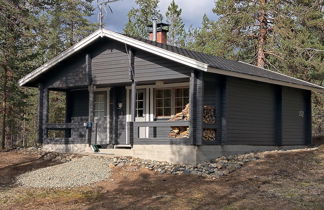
160	52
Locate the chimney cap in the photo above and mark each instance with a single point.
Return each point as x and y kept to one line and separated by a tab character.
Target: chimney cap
159	24
159	27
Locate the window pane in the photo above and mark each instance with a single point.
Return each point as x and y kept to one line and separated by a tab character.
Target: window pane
186	101
99	98
159	112
167	102
159	93
140	96
167	93
178	93
140	104
186	92
178	110
178	102
159	102
140	113
167	111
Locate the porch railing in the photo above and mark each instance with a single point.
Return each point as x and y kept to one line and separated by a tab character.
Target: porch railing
67	128
63	126
151	137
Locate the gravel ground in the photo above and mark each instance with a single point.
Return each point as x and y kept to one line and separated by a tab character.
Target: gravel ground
78	172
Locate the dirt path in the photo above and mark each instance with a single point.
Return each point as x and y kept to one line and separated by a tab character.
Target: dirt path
286	180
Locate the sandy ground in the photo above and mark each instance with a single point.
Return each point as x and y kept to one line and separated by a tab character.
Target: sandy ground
279	180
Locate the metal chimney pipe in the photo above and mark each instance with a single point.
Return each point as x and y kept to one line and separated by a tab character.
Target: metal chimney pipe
154	30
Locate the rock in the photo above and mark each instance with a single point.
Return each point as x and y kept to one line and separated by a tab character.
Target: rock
186	171
121	164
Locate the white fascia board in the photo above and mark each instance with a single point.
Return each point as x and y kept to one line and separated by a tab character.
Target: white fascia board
156	50
86	41
266	80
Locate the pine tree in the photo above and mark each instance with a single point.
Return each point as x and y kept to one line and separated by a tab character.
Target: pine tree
139	18
284	36
30	34
176	34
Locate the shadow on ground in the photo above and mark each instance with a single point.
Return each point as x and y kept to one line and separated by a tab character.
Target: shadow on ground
10	172
281	180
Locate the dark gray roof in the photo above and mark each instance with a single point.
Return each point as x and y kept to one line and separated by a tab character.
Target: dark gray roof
231	65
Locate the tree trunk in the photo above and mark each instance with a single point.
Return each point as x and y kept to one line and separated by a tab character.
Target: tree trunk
4	108
262	34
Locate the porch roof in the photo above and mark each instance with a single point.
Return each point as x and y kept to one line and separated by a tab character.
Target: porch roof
197	60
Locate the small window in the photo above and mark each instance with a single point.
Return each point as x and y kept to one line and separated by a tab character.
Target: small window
99	105
163	102
140	103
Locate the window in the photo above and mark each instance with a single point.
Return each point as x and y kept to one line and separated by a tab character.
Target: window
170	101
99	105
181	99
163	102
140	103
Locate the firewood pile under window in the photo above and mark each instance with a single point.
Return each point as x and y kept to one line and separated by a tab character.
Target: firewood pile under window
180	131
209	134
209	115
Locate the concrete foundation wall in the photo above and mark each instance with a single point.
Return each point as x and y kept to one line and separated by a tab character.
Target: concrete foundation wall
209	152
71	148
184	154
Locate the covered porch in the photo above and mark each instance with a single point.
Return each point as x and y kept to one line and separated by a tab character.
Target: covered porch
162	112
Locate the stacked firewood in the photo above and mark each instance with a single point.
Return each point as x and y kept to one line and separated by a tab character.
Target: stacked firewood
209	115
180	131
183	115
209	134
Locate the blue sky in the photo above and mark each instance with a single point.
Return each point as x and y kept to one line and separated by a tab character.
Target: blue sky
192	12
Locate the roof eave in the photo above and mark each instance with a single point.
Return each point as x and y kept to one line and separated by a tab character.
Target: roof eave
317	88
80	45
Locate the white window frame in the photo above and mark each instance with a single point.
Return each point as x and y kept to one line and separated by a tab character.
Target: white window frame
173	107
150	99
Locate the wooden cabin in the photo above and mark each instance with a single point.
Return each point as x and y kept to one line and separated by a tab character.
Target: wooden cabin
147	99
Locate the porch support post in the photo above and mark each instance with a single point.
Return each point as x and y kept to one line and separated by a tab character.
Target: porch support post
199	106
222	106
192	108
278	115
91	98
67	113
308	117
132	77
114	124
42	113
133	96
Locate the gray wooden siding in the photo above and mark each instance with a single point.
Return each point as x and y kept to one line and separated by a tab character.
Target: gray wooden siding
249	112
293	103
110	65
71	73
161	132
150	67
